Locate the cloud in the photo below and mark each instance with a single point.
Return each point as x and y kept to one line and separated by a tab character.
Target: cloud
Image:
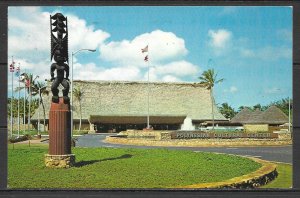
173	71
92	72
170	78
166	73
227	10
232	89
285	34
29	31
178	68
273	90
163	46
268	53
247	52
220	38
274	53
221	42
83	36
29	43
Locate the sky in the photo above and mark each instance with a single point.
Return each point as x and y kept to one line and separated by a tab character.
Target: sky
250	47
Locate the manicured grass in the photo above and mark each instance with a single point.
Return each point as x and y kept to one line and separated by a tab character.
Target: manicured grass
31	132
284	178
123	168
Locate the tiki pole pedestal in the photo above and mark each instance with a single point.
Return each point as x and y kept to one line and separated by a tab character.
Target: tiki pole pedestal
59	136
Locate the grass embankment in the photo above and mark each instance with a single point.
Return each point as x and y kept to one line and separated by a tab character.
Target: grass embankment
123	168
284	178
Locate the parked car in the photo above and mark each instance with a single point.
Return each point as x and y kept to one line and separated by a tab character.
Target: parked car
223	128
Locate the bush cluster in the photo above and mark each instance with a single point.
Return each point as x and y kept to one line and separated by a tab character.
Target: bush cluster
19	139
81	132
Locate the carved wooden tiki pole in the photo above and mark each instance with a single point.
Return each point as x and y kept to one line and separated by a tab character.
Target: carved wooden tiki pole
59	116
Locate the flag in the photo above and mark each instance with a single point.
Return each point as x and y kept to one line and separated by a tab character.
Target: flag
145	49
27	82
12	67
18	71
146	58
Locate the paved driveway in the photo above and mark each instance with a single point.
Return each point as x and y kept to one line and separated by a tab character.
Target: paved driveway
278	153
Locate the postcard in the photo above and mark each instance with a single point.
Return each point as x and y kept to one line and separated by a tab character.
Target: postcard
150	97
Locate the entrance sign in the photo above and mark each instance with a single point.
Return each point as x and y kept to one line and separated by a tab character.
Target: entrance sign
222	135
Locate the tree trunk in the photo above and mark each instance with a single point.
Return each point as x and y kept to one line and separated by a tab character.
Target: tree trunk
212	109
80	115
43	112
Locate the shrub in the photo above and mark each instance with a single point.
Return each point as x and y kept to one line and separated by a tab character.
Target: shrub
73	142
81	132
19	139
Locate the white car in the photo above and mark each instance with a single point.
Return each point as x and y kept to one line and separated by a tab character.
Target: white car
223	128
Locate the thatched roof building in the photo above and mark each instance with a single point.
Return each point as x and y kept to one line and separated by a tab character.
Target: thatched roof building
125	102
271	116
243	116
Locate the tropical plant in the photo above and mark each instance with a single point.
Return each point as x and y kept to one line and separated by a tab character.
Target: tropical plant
78	96
260	107
283	104
209	79
32	89
227	111
40	88
33	106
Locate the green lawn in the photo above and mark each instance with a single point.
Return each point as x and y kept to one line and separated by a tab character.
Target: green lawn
123	168
284	178
35	132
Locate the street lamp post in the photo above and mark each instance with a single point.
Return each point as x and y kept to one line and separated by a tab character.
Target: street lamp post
73	54
39	109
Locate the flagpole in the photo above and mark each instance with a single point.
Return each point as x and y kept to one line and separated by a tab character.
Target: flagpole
289	115
148	126
19	102
29	104
24	123
11	101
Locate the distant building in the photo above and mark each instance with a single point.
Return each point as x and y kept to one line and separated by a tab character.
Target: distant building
257	120
113	106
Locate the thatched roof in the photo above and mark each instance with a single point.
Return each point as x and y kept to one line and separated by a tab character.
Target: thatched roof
272	115
127	98
255	115
243	116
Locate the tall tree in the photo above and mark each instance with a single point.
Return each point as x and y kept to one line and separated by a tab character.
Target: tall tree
41	89
209	80
227	110
283	104
78	96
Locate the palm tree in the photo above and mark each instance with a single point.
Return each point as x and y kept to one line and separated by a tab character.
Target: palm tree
227	110
32	90
208	79
78	96
40	88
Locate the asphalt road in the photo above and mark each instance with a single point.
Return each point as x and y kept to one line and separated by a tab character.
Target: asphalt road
277	154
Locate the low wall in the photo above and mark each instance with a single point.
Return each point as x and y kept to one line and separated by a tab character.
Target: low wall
284	136
200	142
256	127
142	134
262	176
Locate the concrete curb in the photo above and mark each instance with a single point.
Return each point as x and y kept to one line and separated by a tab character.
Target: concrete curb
197	143
260	177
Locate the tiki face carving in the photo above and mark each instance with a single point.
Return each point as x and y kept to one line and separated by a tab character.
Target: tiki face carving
59	52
